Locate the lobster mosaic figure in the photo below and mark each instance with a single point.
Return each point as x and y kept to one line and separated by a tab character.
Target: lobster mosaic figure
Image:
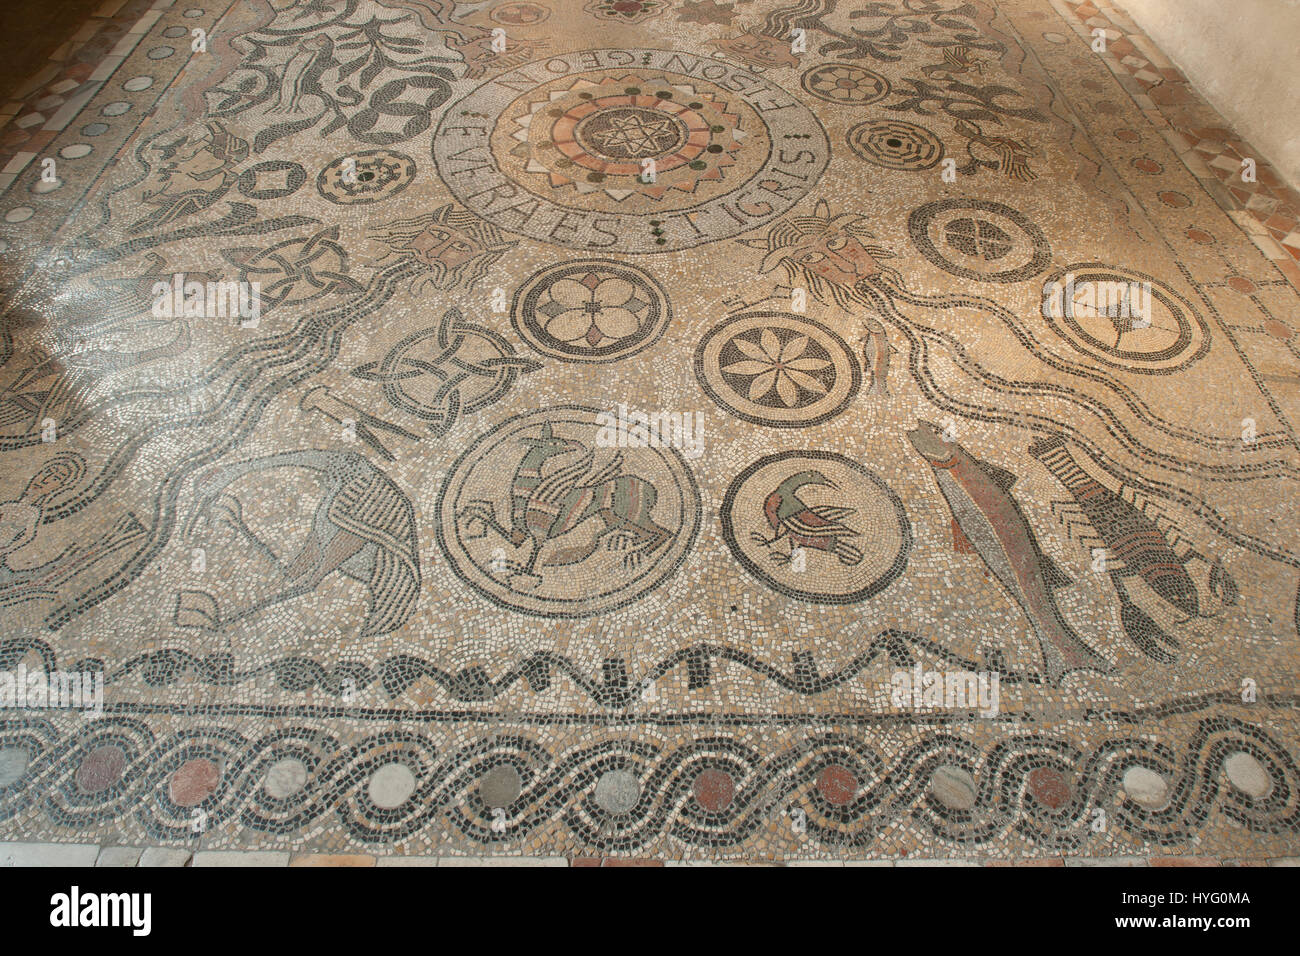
1134	547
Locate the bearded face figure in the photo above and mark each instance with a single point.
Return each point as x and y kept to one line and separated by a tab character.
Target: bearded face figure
836	256
825	252
452	248
442	244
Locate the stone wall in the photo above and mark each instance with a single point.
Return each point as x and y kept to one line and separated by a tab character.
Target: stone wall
1243	56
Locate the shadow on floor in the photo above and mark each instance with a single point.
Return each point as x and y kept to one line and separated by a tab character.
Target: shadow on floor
30	30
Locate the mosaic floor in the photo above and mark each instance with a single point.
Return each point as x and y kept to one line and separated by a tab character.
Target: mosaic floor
622	414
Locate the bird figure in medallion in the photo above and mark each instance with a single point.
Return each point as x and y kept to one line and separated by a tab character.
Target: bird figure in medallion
818	527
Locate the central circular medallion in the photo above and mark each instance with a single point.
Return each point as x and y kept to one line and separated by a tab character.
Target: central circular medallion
630	151
612	144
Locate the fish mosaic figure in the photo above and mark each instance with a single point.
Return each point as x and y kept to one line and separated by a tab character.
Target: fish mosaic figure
875	353
978	493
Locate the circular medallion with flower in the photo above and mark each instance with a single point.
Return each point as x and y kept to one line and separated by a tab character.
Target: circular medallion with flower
590	310
777	369
845	83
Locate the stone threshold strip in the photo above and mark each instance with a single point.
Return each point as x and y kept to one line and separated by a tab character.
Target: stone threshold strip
50	100
90	854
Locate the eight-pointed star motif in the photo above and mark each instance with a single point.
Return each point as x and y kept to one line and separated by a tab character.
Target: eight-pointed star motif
637	135
773	365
